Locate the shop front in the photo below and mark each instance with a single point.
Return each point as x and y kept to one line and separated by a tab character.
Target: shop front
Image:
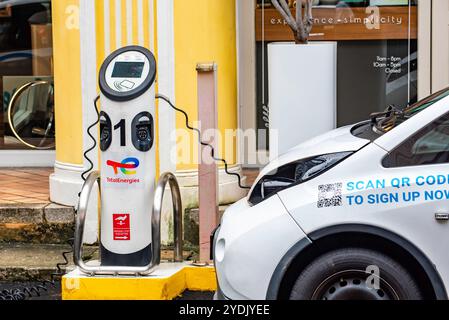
384	56
27	120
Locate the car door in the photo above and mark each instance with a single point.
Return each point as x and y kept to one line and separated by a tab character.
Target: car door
420	164
420	167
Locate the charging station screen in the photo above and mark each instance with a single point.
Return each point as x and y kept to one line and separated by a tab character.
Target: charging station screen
128	69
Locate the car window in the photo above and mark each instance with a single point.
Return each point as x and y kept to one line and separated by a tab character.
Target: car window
429	146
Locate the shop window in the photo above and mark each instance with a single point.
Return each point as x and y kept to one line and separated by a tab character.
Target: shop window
26	74
377	53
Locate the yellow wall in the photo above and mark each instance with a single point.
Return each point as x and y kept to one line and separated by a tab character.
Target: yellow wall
205	31
66	43
111	15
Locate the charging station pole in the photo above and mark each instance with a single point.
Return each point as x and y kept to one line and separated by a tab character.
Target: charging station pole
207	171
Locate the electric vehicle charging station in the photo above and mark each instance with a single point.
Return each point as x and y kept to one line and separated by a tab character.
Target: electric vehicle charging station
130	202
131	195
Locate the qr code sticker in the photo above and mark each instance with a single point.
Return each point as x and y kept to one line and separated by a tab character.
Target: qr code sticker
329	195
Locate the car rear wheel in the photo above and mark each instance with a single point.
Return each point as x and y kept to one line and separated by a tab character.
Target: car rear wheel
355	274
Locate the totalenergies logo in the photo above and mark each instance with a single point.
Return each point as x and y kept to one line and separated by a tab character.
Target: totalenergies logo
125	166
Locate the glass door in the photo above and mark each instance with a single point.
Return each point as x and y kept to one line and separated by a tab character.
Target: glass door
26	76
377	54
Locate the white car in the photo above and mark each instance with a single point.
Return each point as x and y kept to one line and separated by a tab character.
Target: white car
361	212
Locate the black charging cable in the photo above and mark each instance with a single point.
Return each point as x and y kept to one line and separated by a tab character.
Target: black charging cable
186	116
94	141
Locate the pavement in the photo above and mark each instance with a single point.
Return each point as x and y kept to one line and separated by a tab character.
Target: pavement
30	262
25	262
24	265
195	295
25	185
53	292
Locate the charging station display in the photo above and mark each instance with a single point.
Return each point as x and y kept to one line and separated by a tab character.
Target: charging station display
128	70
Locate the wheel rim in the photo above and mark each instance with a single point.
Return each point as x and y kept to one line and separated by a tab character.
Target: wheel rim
353	285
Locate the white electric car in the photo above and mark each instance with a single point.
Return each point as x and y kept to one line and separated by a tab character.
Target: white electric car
361	212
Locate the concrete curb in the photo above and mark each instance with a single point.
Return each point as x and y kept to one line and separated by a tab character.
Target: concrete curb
36	223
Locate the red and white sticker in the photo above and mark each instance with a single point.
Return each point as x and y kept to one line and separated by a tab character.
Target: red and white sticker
121	226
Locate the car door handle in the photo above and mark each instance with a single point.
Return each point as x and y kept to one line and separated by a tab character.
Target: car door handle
442	216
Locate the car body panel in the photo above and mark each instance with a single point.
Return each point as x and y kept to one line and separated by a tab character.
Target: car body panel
338	140
256	238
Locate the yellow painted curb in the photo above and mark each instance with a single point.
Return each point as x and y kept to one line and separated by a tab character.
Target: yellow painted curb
76	286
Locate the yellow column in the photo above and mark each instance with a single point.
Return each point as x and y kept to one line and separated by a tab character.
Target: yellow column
67	77
205	31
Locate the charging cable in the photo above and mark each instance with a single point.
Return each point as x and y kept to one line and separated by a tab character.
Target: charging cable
212	150
94	141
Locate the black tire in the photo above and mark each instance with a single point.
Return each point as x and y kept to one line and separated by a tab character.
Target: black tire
342	275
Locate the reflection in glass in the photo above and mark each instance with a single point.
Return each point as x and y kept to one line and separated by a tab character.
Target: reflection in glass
31	115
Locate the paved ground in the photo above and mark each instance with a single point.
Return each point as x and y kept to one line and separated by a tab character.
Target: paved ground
24	185
54	292
26	264
190	295
20	262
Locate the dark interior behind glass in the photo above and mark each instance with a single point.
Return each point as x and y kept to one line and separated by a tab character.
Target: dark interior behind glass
26	55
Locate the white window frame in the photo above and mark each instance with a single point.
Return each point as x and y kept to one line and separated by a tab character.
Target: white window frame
246	64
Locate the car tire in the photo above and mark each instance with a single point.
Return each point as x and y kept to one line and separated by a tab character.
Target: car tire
355	274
